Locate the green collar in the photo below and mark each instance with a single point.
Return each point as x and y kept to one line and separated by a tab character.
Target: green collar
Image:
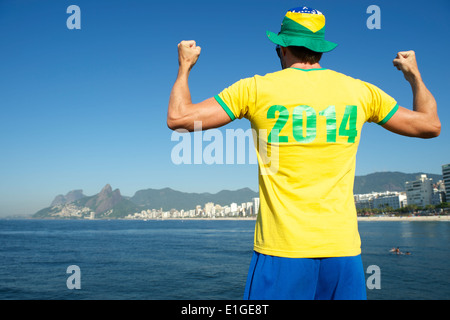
309	69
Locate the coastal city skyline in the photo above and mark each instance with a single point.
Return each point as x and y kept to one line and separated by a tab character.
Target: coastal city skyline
435	194
87	105
420	193
417	193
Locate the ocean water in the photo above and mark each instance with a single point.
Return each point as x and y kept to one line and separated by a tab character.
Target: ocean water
194	259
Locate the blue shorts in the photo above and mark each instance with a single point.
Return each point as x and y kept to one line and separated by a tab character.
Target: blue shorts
277	278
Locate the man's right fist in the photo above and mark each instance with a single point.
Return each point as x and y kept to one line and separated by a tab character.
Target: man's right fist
406	62
188	53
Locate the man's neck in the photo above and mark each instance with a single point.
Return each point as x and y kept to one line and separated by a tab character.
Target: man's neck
306	66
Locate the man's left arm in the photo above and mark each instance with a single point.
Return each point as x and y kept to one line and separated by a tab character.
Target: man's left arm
182	113
423	121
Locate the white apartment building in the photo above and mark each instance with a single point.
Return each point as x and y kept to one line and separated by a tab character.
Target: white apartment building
250	209
420	192
380	200
255	205
209	208
392	200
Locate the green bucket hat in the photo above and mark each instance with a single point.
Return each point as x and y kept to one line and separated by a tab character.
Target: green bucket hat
303	27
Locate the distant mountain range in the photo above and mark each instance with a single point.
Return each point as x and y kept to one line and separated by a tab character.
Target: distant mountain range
110	203
171	199
387	181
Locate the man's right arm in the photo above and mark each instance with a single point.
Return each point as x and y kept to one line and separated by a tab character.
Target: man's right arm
423	120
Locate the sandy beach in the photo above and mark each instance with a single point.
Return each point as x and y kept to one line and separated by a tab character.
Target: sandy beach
373	218
419	218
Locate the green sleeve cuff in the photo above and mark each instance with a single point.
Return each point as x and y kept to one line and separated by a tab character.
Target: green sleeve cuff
390	114
225	107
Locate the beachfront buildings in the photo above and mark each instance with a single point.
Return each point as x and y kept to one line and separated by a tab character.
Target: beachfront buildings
380	200
446	178
420	191
423	191
209	210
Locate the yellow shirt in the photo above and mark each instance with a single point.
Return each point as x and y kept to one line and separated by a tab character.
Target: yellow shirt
307	126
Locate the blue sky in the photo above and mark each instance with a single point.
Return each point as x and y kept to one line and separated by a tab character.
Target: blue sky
82	108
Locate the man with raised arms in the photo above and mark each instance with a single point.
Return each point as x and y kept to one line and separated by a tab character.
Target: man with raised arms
306	241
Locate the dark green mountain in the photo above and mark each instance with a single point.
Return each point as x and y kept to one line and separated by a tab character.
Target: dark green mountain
387	181
171	199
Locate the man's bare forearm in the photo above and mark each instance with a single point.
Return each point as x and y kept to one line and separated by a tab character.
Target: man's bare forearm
180	98
423	100
424	103
424	120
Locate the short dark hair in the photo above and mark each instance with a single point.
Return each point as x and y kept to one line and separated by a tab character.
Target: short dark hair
305	55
